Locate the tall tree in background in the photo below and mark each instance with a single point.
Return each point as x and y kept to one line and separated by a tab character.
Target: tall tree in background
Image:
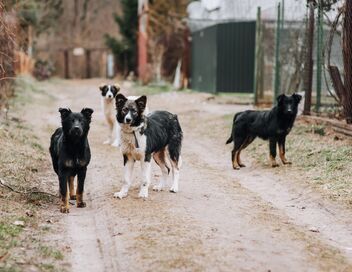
343	88
166	35
125	48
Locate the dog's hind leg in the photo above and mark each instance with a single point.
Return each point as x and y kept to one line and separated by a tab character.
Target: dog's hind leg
64	192
176	162
128	175
247	142
72	188
272	147
281	144
175	166
159	158
239	141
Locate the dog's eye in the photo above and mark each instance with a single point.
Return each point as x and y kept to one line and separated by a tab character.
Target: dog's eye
124	110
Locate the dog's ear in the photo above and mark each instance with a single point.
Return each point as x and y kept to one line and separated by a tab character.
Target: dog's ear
297	97
102	87
64	112
87	113
120	100
141	102
116	87
280	98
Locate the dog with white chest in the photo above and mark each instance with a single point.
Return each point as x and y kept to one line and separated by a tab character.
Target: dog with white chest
108	93
158	135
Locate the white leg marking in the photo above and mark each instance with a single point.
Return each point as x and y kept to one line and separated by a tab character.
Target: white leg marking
116	135
128	175
146	172
175	176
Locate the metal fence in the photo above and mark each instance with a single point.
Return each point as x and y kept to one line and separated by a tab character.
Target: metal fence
281	54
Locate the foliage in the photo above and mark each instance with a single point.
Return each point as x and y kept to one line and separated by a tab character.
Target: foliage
165	31
124	48
40	14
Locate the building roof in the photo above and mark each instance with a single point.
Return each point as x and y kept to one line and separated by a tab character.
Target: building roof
203	13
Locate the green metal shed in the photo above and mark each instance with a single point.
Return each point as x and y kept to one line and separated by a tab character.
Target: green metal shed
223	58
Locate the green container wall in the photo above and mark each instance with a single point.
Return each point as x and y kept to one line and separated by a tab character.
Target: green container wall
223	58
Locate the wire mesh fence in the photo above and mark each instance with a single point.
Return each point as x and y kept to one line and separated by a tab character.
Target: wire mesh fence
284	43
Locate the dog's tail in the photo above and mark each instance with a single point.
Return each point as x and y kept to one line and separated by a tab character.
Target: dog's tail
229	140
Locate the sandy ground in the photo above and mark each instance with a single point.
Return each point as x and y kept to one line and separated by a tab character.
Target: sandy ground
256	219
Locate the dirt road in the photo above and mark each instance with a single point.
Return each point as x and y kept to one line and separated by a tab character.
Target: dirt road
256	219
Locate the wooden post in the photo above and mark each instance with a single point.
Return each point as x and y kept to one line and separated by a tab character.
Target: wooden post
257	57
277	80
319	53
88	69
66	64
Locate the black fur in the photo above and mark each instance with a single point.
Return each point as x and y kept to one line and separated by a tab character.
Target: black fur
273	125
69	149
163	129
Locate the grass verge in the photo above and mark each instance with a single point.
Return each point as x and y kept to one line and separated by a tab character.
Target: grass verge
22	215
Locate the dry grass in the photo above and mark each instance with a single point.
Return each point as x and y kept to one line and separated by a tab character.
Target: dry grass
320	157
22	163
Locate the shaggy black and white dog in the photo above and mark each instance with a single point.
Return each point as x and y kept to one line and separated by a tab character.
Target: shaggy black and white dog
158	135
70	153
273	125
108	94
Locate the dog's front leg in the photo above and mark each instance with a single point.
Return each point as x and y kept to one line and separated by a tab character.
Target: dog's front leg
146	172
281	144
81	176
63	183
272	147
128	175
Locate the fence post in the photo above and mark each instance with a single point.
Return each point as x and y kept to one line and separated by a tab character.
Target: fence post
309	60
319	54
277	52
256	57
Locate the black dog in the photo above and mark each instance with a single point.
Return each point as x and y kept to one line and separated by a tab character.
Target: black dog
70	154
274	125
158	135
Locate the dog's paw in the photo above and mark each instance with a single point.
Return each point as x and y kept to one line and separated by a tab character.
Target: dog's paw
120	195
287	162
274	164
242	165
81	205
174	189
106	142
64	209
158	188
143	193
73	197
115	144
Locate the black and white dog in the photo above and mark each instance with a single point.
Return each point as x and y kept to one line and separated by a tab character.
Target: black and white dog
158	135
108	93
70	154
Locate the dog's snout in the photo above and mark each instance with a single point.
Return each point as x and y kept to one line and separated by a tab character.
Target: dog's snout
128	120
77	128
